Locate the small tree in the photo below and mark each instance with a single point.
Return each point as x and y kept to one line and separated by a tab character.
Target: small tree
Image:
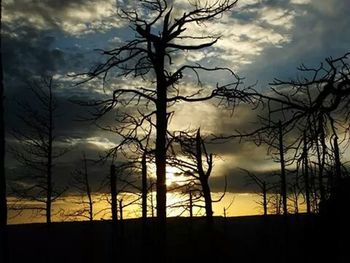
196	163
135	134
36	151
81	183
263	189
125	188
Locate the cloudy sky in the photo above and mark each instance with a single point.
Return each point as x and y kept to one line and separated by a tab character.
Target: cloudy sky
261	40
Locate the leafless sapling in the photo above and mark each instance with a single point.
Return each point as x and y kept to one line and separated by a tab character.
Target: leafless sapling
263	189
36	151
81	183
197	164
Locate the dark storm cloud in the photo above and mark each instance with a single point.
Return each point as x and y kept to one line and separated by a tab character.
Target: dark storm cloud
65	165
239	182
28	54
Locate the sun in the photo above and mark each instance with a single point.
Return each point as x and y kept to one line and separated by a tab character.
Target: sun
174	176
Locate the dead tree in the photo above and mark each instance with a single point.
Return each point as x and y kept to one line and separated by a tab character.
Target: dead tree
337	162
81	183
144	186
113	187
135	134
283	171
36	151
121	207
306	175
294	195
263	187
196	163
275	200
125	188
316	104
149	57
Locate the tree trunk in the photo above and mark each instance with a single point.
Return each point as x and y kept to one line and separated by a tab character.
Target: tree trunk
264	198
191	204
204	177
121	216
152	204
161	125
283	171
337	162
306	176
144	187
207	200
321	161
160	158
88	191
113	182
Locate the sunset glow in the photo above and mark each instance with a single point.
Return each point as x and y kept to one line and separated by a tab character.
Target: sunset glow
258	41
174	131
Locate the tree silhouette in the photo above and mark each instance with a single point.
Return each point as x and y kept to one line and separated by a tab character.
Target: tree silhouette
81	183
135	134
113	192
36	151
316	110
194	149
283	170
306	174
314	106
263	187
196	163
150	56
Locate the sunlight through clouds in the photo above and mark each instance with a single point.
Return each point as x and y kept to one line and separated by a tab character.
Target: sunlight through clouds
242	39
100	142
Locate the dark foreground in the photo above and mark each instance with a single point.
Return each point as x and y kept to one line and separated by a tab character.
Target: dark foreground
241	239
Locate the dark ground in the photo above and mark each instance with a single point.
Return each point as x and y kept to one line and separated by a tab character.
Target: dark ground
240	239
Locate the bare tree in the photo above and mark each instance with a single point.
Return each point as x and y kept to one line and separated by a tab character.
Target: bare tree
306	175
36	149
134	146
283	170
144	186
294	196
126	187
113	187
150	55
275	201
81	183
315	105
263	187
197	164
